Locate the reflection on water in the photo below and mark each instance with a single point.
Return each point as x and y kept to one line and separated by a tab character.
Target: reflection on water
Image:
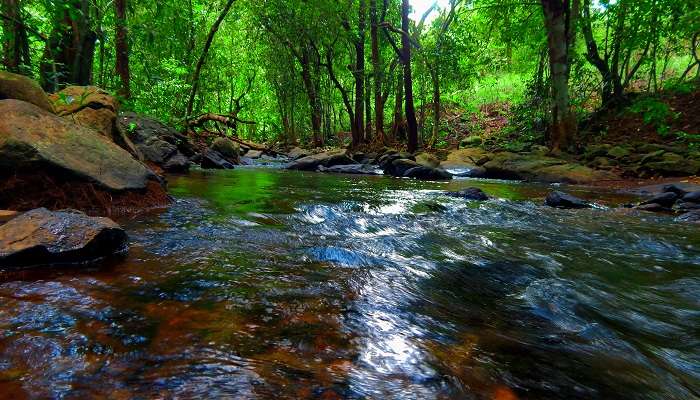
272	284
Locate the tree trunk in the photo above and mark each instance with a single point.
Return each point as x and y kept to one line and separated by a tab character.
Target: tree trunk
70	49
435	75
411	124
377	73
122	47
16	44
398	132
203	57
359	131
559	20
313	95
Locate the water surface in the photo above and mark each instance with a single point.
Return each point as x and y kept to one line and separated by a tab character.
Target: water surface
261	283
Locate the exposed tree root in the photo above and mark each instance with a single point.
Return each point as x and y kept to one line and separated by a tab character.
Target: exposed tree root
26	191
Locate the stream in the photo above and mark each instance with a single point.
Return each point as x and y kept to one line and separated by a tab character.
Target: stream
269	284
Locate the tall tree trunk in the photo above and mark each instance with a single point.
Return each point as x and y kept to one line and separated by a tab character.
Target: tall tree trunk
122	47
368	110
312	93
560	21
435	75
398	131
377	72
203	56
15	44
411	123
70	49
359	132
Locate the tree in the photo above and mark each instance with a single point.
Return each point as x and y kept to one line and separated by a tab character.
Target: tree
16	44
560	23
122	48
203	56
69	52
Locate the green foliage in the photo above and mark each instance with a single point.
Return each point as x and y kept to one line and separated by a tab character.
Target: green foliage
655	113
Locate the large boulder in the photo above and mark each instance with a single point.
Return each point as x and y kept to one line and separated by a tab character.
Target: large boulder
467	162
427	173
156	142
32	137
229	149
19	87
539	168
296	153
427	160
42	237
352	169
87	106
326	159
212	159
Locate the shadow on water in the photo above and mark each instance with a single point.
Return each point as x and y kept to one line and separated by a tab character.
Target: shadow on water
260	283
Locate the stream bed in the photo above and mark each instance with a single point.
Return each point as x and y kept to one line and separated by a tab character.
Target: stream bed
268	284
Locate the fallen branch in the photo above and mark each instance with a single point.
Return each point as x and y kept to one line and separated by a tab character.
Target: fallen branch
227	120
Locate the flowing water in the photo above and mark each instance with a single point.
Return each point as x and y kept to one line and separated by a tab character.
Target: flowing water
267	284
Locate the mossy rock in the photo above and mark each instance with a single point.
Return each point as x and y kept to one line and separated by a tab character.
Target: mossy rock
227	148
471	141
618	152
19	87
427	160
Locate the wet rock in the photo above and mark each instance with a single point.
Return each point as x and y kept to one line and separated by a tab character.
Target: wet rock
674	188
354	169
326	159
42	237
564	200
211	159
652	207
228	149
399	166
31	136
471	193
666	200
653	156
177	163
427	173
6	215
19	87
692	197
687	206
693	216
253	154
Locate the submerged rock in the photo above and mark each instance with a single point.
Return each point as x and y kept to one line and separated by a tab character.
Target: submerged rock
19	87
471	193
564	200
693	216
42	237
652	207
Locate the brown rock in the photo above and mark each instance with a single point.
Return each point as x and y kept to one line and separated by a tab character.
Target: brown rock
42	237
19	87
75	98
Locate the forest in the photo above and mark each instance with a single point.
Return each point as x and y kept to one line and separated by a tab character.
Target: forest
328	72
350	199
